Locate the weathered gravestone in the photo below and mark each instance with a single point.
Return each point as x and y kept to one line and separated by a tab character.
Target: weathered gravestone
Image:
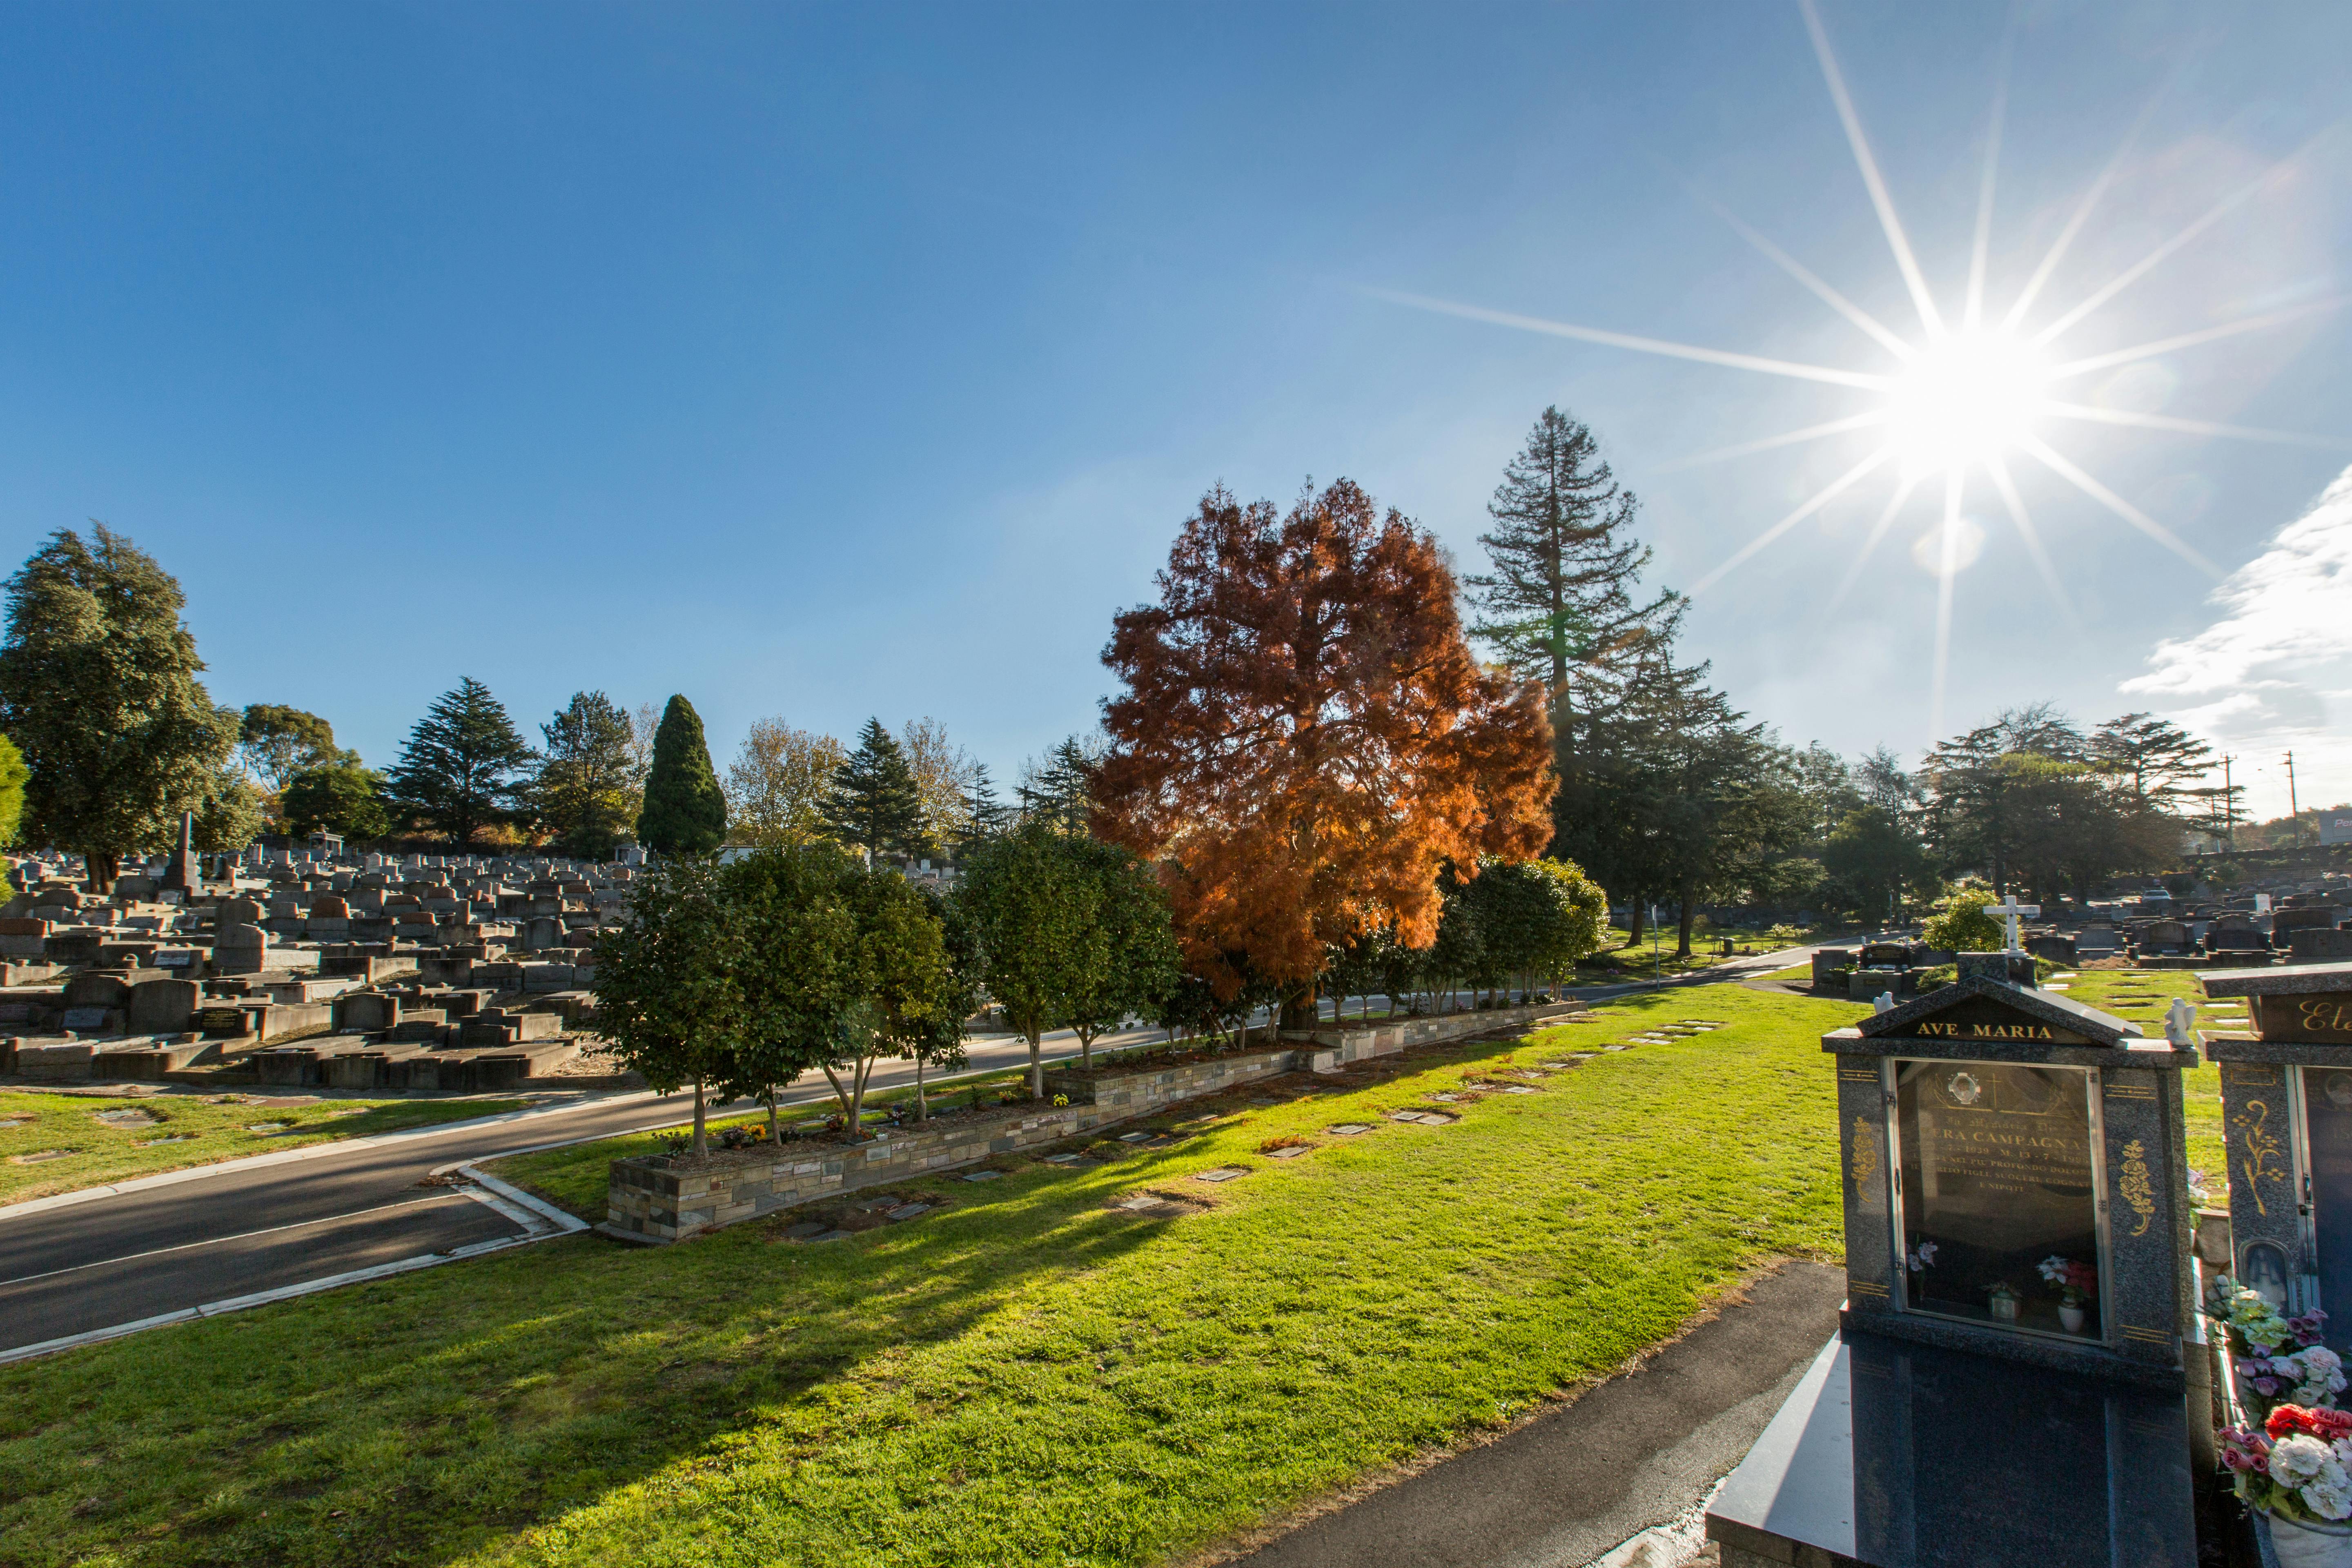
2286	1120
2009	1385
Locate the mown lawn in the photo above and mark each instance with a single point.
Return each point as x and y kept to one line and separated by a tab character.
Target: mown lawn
184	1130
1030	1377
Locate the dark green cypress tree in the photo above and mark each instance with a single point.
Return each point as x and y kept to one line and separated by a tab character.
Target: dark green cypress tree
685	812
875	804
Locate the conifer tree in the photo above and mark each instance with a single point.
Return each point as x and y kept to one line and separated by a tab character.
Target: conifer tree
684	811
99	690
1559	604
457	773
875	804
586	788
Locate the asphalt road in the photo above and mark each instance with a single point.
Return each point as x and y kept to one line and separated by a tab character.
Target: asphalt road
209	1238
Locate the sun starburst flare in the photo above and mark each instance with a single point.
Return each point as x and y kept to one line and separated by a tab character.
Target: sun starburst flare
1968	396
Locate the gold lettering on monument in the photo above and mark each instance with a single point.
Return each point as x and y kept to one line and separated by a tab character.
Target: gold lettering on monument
1989	1031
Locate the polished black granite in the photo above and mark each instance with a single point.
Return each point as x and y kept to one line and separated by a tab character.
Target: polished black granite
1898	1455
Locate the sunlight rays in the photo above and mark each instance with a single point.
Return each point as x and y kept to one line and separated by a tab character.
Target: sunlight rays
1965	393
2116	504
2191	340
2081	215
1980	245
1786	438
2146	264
2006	486
1836	301
1903	488
1947	572
1822	498
1628	340
2193	426
1896	240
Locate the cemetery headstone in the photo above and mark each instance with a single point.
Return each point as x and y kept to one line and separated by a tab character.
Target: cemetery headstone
2287	1107
2008	1383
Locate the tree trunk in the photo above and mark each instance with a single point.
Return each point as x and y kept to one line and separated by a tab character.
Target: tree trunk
1638	925
1085	1050
100	871
1683	932
776	1134
922	1106
1037	1065
1298	1011
701	1144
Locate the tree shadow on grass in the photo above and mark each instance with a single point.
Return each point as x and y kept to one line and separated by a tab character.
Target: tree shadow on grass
417	1420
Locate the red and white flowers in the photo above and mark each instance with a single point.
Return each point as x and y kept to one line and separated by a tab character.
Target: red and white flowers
2298	1465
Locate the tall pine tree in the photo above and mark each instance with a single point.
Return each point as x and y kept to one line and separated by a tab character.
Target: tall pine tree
457	773
1560	605
875	804
684	811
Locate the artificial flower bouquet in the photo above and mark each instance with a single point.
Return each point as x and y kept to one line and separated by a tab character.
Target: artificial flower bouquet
2272	1371
2296	1465
2074	1282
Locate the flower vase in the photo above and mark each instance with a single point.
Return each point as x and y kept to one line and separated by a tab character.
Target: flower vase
2300	1545
2071	1317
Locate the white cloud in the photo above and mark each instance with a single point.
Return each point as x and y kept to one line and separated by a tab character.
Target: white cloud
2275	671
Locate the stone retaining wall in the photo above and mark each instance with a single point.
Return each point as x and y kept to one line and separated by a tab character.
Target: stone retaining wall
647	1201
1151	1086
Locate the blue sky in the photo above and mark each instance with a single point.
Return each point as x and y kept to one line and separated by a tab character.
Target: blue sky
828	362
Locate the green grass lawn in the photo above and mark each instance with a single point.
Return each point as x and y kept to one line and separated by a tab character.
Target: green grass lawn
1030	1377
200	1130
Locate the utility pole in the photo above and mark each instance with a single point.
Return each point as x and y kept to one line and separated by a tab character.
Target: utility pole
2294	810
2229	805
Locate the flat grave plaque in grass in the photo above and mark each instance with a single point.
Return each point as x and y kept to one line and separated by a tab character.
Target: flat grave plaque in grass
39	1157
981	1175
1291	1152
1221	1174
1349	1129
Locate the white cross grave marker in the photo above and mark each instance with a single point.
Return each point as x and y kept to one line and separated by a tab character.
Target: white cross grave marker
2009	909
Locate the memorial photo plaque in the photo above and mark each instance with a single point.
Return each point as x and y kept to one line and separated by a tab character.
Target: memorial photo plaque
1997	1179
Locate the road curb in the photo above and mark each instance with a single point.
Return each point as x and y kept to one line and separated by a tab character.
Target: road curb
307	1152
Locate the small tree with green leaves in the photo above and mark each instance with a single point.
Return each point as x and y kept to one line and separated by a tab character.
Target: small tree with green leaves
456	775
274	743
1029	900
875	803
1129	956
684	811
796	945
1960	924
937	1046
343	798
907	981
98	691
586	789
669	986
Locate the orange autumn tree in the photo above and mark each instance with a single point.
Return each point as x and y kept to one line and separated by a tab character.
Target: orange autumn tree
1306	737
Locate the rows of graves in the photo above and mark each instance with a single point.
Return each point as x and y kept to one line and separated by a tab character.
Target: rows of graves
463	972
2307	923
